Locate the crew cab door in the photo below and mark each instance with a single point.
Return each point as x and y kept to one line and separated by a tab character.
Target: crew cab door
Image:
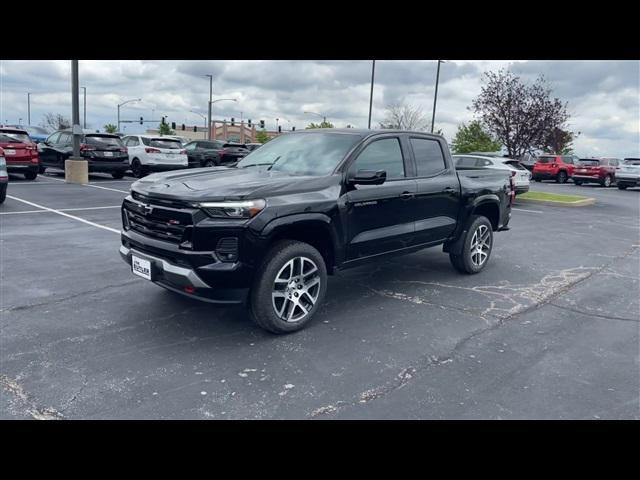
437	201
378	217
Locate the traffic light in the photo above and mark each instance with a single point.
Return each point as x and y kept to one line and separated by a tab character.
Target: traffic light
141	120
173	125
279	128
232	121
249	123
183	127
261	123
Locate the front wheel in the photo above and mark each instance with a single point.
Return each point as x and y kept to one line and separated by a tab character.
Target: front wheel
562	177
622	187
117	175
476	246
208	163
42	169
31	175
577	182
290	285
607	181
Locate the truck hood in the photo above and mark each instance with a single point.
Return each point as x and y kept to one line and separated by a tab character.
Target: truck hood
224	183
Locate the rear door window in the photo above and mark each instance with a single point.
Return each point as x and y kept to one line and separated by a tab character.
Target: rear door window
428	155
465	161
53	138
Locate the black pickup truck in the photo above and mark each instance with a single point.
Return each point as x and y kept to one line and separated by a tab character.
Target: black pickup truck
269	230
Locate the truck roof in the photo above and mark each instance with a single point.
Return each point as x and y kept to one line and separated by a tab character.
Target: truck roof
361	131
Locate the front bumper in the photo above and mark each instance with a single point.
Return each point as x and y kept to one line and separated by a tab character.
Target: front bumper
184	280
522	189
544	175
22	167
163	167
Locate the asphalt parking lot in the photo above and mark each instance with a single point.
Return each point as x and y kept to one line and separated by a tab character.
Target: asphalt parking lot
550	330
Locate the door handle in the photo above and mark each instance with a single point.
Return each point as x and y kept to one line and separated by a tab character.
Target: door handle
450	190
406	195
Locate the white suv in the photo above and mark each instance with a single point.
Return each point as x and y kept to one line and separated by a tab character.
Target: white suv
154	154
521	176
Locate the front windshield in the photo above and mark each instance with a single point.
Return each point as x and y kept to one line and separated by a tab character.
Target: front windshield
302	153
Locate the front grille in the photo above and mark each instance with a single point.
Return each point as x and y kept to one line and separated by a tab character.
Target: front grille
168	224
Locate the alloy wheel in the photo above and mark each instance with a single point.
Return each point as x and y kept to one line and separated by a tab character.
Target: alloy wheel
480	245
296	289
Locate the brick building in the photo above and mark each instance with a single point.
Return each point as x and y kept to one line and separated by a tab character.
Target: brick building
220	130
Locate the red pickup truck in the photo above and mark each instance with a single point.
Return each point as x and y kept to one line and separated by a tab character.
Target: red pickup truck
554	167
596	170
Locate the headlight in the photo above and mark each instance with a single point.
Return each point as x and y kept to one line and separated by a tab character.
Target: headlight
241	209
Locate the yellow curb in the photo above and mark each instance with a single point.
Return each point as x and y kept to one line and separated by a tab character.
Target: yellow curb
577	203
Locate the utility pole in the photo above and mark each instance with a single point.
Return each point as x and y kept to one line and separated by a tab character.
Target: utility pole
373	72
210	100
28	108
435	98
76	169
84	109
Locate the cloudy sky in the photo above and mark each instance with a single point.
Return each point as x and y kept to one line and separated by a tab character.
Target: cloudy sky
603	96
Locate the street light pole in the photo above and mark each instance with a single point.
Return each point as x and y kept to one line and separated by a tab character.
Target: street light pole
75	107
324	118
29	108
124	103
210	110
210	102
373	72
85	107
435	98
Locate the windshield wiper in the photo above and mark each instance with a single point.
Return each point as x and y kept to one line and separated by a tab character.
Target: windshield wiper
264	163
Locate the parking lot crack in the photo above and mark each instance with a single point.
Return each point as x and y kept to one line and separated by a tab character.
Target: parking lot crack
25	402
597	315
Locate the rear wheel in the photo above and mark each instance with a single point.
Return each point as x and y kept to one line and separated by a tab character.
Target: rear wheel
606	182
209	163
117	175
577	182
562	176
137	168
42	169
476	246
3	194
31	175
290	285
622	187
537	180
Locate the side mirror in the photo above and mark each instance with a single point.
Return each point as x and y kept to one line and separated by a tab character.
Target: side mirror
369	177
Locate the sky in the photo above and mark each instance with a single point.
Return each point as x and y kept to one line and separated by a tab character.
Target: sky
603	96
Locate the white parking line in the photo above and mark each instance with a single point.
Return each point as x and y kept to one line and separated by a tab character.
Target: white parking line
91	185
53	210
61	210
523	210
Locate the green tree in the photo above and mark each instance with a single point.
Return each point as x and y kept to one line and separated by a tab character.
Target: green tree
165	130
110	128
474	138
322	124
262	136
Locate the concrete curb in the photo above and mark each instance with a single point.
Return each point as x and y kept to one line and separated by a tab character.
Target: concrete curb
578	203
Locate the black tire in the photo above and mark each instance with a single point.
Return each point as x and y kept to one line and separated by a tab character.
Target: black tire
117	175
577	182
561	177
31	175
464	262
622	187
3	195
208	163
606	182
262	305
137	169
42	169
537	180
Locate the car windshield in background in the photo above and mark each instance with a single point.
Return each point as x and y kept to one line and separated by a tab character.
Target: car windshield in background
100	140
37	131
303	153
632	161
515	164
589	163
165	143
14	137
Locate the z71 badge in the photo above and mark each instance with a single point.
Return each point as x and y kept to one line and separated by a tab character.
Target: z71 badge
364	204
